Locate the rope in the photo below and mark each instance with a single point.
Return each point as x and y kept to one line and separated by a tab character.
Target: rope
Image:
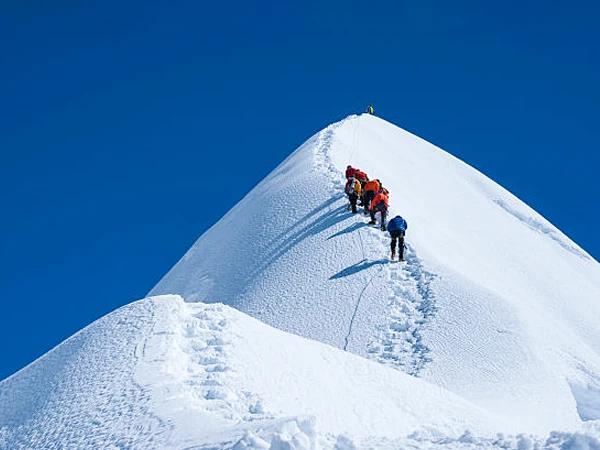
362	249
356	310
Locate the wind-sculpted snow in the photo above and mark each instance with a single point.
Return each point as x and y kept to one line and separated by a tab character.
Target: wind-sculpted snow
493	303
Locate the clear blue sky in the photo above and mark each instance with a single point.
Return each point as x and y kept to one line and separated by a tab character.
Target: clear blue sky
127	129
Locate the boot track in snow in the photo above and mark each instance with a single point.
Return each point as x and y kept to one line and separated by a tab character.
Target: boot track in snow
411	302
208	371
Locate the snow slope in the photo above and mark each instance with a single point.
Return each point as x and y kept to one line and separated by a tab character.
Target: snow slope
494	303
489	327
162	373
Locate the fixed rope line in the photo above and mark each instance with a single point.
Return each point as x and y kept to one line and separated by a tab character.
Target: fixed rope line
347	338
357	305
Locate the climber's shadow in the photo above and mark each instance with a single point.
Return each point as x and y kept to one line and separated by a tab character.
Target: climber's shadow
354	227
358	267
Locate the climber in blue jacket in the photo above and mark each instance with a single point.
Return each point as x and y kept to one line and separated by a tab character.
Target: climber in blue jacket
397	228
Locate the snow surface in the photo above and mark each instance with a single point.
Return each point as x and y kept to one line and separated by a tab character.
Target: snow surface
162	373
494	303
486	337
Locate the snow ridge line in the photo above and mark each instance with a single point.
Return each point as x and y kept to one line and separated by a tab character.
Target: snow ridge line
411	302
322	159
539	227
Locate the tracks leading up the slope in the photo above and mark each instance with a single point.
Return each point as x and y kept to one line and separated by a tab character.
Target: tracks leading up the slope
411	302
411	305
324	164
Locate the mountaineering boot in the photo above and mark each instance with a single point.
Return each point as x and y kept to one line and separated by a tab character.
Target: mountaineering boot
372	222
393	253
382	227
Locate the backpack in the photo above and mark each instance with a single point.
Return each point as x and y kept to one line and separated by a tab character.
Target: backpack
397	224
372	185
351	186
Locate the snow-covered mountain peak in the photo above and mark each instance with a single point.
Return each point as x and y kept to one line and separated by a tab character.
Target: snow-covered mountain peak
494	303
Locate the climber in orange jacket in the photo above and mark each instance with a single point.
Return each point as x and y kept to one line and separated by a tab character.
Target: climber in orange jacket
370	189
380	204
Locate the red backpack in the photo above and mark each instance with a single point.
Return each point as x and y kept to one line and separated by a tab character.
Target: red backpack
361	176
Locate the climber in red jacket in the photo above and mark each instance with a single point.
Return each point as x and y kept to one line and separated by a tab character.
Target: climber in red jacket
350	171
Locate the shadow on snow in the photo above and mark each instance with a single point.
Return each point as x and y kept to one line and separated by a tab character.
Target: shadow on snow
354	227
358	267
326	220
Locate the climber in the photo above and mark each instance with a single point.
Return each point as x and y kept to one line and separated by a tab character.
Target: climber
353	190
397	228
370	110
362	178
350	172
370	189
379	204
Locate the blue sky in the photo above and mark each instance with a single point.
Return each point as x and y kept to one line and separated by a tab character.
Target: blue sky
127	129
